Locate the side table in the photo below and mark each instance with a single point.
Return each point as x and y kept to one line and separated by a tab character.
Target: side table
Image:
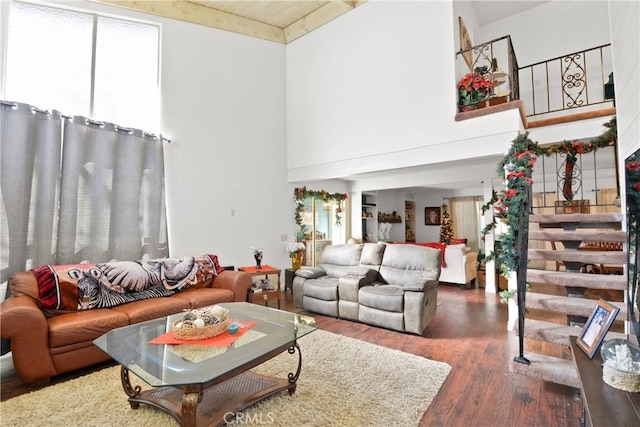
289	275
263	296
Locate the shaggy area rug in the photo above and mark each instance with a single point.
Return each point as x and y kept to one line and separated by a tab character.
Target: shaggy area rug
344	382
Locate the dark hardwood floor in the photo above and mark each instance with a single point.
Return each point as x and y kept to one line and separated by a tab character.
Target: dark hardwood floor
469	333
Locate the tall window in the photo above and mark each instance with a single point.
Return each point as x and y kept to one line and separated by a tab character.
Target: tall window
84	64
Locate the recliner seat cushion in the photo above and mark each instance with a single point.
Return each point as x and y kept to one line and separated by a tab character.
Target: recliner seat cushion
382	297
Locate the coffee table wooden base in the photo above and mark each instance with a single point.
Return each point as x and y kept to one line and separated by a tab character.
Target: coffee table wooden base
216	405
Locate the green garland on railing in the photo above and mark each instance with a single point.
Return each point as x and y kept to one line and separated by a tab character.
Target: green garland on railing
301	193
516	169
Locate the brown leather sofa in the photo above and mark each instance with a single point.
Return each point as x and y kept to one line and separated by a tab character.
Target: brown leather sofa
46	343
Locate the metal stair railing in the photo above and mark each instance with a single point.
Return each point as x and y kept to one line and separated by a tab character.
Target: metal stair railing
522	248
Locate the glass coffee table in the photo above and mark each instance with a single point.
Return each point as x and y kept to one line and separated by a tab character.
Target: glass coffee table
206	385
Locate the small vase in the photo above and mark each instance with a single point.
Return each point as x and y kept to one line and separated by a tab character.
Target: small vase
296	261
258	261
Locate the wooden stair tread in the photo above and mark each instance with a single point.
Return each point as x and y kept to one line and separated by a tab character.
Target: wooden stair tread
579	236
591	281
585	257
548	368
557	333
569	305
577	218
549	331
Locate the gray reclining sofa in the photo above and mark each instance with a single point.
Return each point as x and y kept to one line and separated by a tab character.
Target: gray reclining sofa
393	286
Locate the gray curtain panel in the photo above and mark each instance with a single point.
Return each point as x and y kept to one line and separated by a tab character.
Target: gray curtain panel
30	150
112	203
76	190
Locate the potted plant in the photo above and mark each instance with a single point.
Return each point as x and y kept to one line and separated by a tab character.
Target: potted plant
473	88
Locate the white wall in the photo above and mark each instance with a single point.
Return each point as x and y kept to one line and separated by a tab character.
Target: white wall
375	90
223	106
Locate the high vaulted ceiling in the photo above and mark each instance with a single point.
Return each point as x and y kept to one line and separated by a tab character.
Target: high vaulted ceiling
284	21
274	20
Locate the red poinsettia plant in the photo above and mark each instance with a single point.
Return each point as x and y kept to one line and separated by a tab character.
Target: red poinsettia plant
473	88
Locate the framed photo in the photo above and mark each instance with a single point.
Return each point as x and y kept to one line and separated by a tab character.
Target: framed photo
596	327
432	215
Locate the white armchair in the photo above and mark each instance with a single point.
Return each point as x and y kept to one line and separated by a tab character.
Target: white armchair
461	265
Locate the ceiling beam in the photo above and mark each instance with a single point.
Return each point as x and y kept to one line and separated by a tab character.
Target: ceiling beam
328	12
197	14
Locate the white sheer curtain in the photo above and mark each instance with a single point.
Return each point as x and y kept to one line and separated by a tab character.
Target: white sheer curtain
465	216
74	191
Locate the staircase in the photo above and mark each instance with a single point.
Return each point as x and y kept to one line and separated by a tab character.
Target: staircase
560	300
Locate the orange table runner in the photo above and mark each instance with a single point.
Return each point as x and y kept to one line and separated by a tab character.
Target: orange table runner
222	340
265	269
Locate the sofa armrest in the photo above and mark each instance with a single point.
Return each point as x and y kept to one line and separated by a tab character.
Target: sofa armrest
24	323
350	284
310	272
471	266
470	258
238	281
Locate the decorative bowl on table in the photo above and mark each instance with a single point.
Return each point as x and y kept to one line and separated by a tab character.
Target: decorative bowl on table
621	367
201	323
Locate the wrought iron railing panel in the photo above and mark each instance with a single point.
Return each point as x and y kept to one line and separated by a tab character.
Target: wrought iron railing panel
567	82
591	176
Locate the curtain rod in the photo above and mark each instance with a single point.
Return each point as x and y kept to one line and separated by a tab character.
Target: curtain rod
88	121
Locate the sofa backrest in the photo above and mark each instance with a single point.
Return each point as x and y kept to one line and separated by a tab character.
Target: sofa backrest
372	255
410	265
335	260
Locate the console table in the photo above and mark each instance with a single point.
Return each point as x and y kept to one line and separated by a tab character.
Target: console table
265	295
602	405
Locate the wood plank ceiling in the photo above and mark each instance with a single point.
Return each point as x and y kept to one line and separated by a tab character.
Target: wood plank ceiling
274	20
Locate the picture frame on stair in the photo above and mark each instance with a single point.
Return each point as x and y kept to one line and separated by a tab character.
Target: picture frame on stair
597	326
